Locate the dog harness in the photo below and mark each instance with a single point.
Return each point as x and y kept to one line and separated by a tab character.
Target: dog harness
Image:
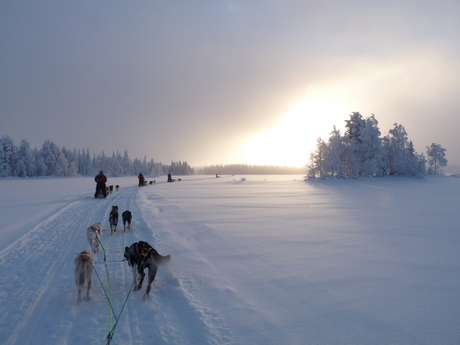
142	250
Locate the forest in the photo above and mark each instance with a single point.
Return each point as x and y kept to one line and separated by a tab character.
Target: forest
50	160
361	152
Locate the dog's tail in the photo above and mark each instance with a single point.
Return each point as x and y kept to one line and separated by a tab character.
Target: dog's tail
83	267
162	260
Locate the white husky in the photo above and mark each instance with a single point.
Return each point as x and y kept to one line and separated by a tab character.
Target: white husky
94	234
84	273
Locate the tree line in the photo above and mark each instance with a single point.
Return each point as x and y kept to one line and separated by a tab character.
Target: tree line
361	151
50	160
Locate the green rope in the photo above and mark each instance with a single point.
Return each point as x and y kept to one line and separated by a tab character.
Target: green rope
112	331
109	295
105	292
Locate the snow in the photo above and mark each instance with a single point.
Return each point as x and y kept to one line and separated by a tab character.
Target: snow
255	260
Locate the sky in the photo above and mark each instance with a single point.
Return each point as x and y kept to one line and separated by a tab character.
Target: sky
224	82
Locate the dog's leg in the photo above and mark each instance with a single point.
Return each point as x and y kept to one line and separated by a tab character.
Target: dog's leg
79	278
134	267
89	280
152	274
79	294
141	279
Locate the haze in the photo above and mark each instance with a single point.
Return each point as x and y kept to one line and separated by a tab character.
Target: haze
221	82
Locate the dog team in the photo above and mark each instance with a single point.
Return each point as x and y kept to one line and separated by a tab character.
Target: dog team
140	255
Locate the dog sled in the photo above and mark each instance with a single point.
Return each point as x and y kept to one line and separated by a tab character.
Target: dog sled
101	194
108	191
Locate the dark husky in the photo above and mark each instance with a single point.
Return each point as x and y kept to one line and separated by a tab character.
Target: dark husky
127	216
141	255
83	273
113	219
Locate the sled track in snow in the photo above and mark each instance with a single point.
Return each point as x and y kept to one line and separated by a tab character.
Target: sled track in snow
48	252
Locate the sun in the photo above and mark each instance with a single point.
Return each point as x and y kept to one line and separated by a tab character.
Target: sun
290	142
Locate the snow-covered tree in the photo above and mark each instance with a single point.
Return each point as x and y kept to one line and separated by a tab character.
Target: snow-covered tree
116	167
361	152
50	160
317	160
127	163
7	156
435	155
371	152
70	159
353	144
401	158
25	160
54	164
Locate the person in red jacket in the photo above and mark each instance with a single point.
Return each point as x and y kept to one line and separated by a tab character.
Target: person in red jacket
100	184
141	180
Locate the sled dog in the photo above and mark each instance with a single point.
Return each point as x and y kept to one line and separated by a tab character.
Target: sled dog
113	219
83	273
116	187
126	216
94	234
141	255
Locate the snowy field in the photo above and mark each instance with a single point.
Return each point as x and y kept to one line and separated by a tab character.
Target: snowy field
255	260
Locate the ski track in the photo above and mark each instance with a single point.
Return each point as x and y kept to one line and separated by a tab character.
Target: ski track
172	314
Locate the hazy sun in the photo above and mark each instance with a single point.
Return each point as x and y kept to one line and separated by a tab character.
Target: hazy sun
290	142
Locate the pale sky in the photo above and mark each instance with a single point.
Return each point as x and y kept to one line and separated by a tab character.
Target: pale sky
221	82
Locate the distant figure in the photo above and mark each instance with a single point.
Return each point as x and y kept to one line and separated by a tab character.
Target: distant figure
217	176
100	180
141	179
169	178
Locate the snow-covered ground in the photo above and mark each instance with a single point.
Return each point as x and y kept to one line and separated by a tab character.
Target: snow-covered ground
255	260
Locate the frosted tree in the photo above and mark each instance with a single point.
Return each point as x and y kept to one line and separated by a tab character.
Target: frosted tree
401	158
317	163
371	154
25	160
137	166
54	164
69	162
126	163
40	165
7	157
62	167
87	162
435	156
334	153
353	144
82	166
116	167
